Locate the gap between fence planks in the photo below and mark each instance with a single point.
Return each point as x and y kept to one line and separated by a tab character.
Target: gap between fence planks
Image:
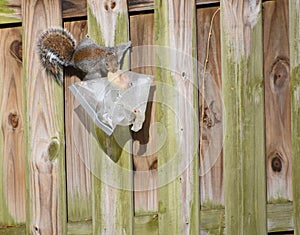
44	125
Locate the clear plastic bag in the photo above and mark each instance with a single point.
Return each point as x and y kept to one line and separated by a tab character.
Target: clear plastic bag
120	99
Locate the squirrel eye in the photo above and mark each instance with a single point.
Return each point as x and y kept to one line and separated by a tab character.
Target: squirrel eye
87	36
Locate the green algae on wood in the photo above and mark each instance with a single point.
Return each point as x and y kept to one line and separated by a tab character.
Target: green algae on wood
178	181
146	224
243	97
111	160
44	120
7	14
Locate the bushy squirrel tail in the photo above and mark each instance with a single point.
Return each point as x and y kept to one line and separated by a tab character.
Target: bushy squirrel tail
56	47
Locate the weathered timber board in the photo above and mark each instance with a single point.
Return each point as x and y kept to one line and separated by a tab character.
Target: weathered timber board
243	110
279	217
78	174
277	101
144	144
44	112
108	24
211	158
12	158
294	34
175	38
10	10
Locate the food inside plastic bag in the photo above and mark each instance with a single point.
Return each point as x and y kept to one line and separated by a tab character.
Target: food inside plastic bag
119	99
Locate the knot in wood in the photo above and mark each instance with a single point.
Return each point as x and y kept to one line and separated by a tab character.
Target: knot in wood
109	5
16	50
280	73
82	26
210	117
36	230
153	165
276	163
53	149
13	120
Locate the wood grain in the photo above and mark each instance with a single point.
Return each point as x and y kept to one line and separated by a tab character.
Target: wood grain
73	8
12	159
144	152
108	25
79	180
46	205
277	101
243	110
294	37
176	106
11	11
211	162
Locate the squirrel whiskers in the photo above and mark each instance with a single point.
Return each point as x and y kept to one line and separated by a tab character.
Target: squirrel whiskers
57	48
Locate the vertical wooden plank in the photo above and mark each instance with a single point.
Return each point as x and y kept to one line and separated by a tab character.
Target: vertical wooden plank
79	182
277	101
178	179
243	97
142	38
111	160
294	33
43	97
211	169
144	144
12	162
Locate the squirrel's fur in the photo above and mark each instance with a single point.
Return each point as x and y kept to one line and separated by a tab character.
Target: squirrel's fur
57	48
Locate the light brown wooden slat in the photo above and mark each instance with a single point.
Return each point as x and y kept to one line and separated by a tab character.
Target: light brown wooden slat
12	161
294	36
79	180
277	101
73	8
211	163
145	175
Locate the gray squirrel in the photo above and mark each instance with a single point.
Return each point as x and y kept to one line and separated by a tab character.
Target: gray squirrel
57	48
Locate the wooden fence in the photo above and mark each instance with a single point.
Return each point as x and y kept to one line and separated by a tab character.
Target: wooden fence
231	72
